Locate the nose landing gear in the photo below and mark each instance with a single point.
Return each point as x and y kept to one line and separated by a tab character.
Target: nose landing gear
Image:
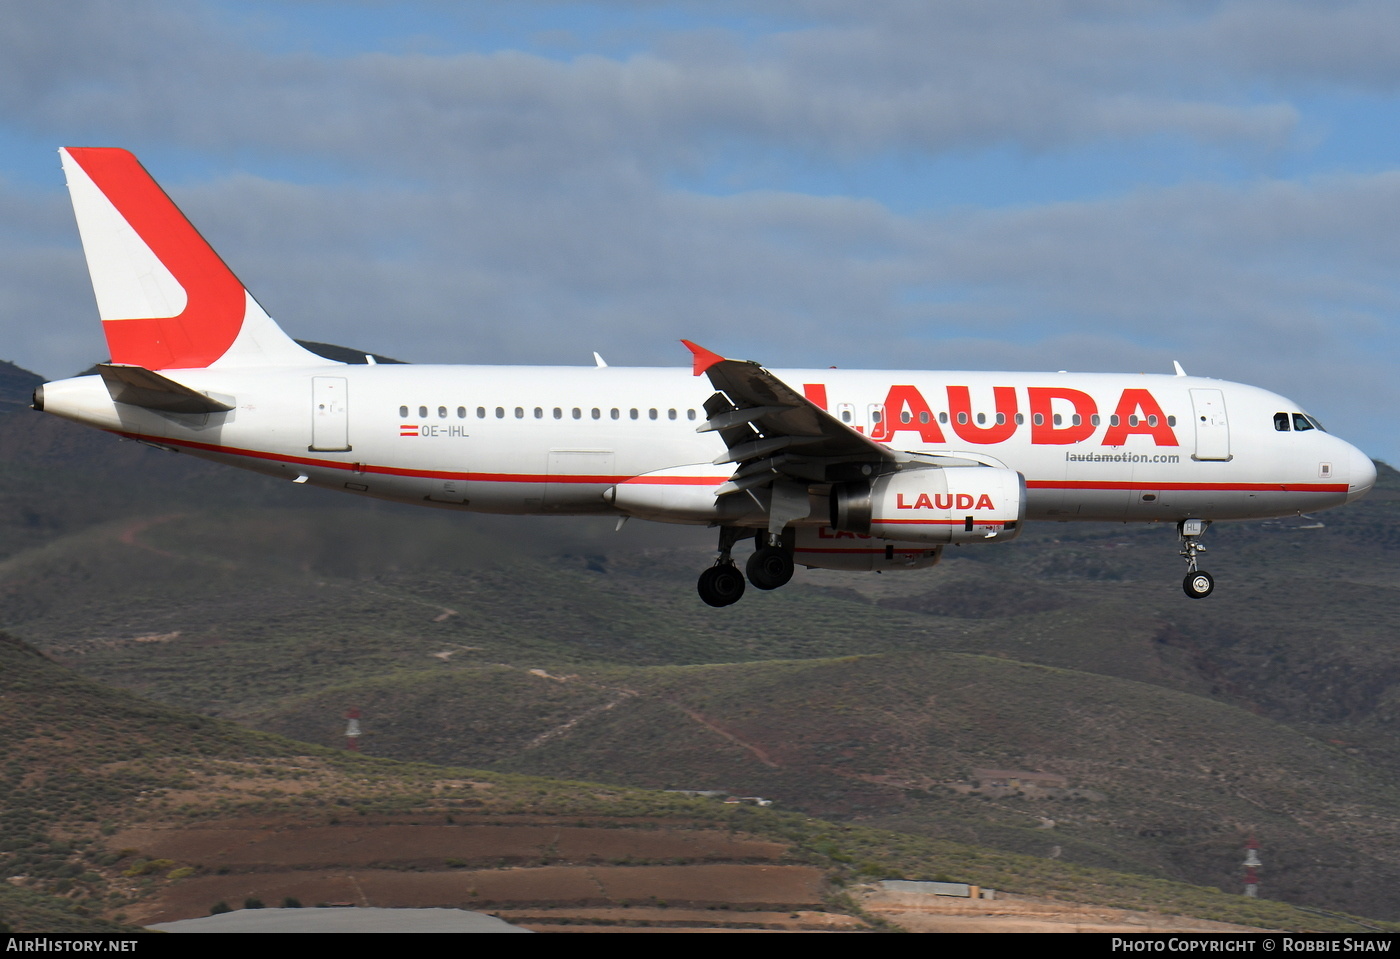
1198	584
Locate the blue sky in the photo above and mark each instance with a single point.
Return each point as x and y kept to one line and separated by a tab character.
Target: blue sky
933	184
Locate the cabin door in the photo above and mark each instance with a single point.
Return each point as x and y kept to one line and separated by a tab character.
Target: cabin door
1212	428
330	414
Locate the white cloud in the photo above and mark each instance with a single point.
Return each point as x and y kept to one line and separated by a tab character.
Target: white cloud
510	206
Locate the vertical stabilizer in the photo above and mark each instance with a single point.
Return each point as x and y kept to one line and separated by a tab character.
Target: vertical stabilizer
166	299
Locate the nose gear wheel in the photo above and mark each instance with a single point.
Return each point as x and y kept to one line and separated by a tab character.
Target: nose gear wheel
1198	585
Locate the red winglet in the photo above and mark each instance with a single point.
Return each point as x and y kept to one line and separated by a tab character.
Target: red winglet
704	359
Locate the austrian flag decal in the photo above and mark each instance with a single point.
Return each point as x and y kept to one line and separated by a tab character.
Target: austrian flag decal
408	429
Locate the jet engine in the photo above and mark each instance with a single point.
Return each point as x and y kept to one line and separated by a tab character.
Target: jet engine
934	505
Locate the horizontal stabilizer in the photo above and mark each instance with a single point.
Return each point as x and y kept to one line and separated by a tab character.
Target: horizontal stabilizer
138	386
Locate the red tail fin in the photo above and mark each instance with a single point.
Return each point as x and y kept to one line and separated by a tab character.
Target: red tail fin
166	299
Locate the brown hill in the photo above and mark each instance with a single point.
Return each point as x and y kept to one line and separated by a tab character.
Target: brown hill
231	594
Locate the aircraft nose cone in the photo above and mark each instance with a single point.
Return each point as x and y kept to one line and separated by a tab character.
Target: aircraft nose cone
1363	475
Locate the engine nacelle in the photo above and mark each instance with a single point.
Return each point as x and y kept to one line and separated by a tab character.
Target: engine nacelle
934	505
821	547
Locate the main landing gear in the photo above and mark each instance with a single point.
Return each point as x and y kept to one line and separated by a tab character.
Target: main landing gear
1198	584
768	568
722	584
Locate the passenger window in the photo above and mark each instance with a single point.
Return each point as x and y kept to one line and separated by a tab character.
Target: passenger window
481	412
442	412
1094	419
578	413
461	412
614	413
632	413
1171	420
539	413
962	419
1020	418
924	417
558	413
690	414
845	416
906	417
1038	419
519	413
981	419
1001	419
597	413
1281	422
1076	420
651	413
423	412
1300	422
670	414
500	412
943	418
403	412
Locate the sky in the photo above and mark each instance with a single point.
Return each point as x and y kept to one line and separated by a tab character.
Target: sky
1100	185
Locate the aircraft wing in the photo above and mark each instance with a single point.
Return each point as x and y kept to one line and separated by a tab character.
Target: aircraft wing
771	430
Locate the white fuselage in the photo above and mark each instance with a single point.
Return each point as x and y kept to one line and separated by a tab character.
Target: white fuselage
557	439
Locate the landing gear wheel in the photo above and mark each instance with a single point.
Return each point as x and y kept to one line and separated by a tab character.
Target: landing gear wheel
770	567
1198	584
721	585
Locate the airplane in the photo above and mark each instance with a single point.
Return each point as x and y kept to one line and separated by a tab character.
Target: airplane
834	469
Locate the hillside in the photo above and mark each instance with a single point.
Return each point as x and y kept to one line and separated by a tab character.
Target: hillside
1169	730
16	387
119	807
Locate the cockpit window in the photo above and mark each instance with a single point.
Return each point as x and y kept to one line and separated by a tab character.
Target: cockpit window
1301	422
1281	422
